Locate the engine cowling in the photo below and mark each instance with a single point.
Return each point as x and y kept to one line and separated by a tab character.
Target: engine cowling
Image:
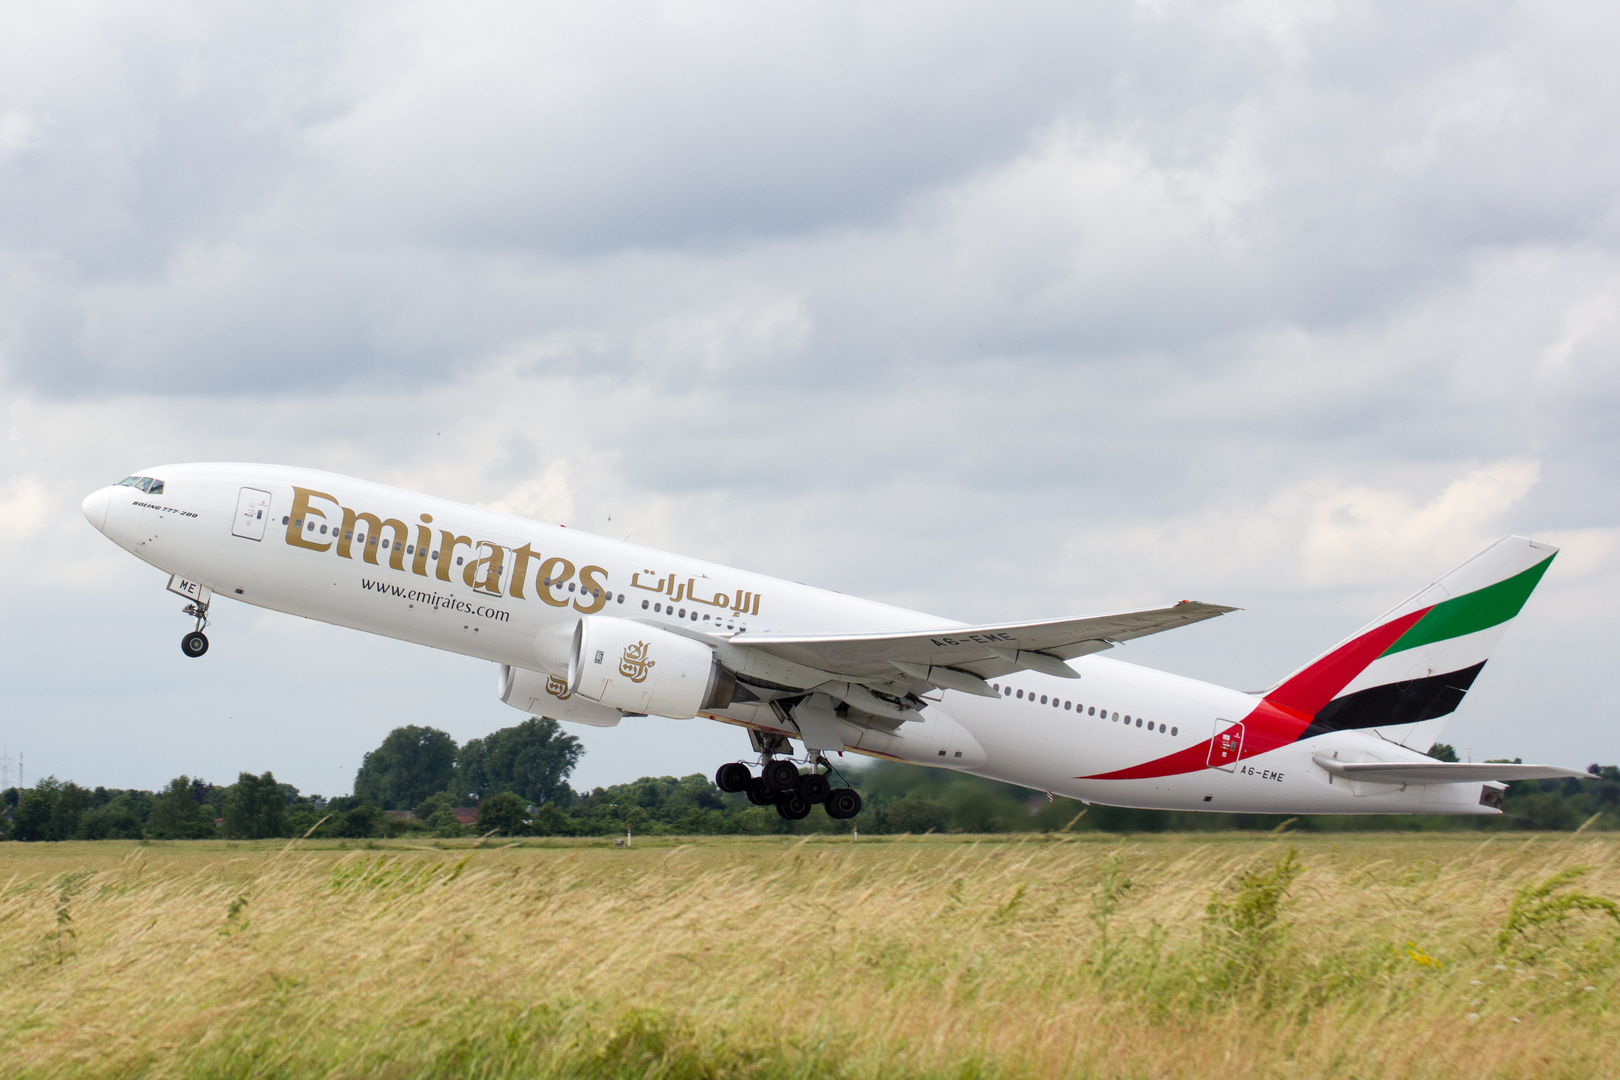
641	669
547	695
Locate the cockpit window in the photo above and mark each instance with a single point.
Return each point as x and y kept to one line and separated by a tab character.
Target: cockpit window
145	483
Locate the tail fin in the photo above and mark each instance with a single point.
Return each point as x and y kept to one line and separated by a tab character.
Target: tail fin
1404	673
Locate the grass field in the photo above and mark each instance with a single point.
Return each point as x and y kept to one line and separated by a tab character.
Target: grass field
1208	956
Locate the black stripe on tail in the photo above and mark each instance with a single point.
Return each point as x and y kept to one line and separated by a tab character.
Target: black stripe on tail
1395	703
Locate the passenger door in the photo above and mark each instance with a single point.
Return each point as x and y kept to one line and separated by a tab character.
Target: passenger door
1227	745
252	514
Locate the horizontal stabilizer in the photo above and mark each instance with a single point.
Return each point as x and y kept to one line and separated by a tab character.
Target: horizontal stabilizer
982	651
1440	772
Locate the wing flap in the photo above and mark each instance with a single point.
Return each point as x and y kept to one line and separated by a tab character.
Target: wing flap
986	651
1441	772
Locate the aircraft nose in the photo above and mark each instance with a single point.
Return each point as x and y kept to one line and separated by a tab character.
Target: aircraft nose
95	507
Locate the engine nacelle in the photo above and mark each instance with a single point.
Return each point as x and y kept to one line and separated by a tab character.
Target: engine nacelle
641	669
547	695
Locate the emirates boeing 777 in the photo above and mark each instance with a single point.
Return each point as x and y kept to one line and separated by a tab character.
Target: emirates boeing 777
590	630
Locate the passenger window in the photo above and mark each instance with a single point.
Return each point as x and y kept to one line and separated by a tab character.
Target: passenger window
1020	695
410	549
1007	691
683	613
1173	731
643	604
1043	699
374	542
1092	711
284	519
460	559
621	599
570	586
323	530
656	607
1066	705
996	687
384	544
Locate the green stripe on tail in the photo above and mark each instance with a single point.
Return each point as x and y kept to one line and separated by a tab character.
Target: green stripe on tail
1472	612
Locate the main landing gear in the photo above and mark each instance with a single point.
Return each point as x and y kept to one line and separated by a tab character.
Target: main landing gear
195	643
780	784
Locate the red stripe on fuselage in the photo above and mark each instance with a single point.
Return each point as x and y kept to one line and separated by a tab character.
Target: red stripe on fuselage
1284	714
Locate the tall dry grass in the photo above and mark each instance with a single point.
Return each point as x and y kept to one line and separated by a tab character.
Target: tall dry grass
1163	957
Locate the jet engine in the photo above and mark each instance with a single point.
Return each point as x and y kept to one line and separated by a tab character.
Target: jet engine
547	695
641	669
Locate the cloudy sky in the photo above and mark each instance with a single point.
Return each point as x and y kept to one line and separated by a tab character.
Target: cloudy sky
1006	311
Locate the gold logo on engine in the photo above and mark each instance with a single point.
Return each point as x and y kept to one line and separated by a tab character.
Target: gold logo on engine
634	665
557	687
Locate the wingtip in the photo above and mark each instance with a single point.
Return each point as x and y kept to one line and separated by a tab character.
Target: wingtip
1219	609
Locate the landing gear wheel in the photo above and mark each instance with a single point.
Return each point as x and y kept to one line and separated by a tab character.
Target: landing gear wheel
733	776
814	787
791	805
194	644
781	775
759	792
843	803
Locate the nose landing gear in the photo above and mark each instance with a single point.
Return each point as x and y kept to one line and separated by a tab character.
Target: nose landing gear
195	643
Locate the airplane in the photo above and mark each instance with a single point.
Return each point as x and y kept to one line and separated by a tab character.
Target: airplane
589	630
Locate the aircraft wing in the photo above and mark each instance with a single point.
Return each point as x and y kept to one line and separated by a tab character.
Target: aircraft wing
1441	772
961	657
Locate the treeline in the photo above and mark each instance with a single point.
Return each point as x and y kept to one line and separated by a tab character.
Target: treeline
515	782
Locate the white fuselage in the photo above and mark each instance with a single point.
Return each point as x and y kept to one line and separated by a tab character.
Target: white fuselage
463	597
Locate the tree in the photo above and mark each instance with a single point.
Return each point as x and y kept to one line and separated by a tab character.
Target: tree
531	760
34	806
412	763
180	812
72	801
914	815
1443	752
255	808
115	820
360	821
503	812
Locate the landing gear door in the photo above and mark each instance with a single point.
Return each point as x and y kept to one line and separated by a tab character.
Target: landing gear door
252	514
1227	745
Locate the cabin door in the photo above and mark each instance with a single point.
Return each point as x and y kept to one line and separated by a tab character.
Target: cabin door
252	514
1227	745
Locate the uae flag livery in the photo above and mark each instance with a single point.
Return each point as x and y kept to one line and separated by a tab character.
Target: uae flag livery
1399	676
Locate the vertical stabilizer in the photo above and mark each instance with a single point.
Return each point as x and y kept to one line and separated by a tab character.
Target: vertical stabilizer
1404	673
